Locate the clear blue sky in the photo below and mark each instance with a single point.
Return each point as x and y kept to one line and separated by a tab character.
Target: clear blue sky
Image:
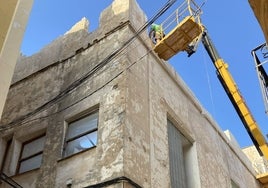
231	25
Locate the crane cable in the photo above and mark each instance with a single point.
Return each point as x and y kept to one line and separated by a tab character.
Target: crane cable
209	83
108	59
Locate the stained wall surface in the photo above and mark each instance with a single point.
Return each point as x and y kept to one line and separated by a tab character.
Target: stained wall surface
135	93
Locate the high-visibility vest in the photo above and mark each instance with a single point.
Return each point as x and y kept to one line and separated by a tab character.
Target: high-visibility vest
156	28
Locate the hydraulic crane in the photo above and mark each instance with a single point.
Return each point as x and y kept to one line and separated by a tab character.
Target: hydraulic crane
235	96
185	36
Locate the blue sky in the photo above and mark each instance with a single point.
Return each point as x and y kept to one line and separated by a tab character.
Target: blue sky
231	25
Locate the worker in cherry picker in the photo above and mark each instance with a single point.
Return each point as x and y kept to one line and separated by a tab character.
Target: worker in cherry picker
156	33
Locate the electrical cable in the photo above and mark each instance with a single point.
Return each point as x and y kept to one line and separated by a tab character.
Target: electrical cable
209	83
9	181
46	116
95	69
86	96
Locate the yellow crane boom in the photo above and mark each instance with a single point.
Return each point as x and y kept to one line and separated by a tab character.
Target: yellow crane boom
235	97
185	36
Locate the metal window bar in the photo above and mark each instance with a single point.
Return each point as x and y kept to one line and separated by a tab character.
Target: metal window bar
261	73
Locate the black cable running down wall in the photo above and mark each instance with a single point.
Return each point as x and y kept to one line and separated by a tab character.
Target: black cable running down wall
115	181
94	70
9	181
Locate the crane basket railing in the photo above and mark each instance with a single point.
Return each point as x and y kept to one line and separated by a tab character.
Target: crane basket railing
187	8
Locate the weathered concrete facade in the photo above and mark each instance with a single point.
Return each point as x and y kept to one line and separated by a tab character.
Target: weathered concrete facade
136	94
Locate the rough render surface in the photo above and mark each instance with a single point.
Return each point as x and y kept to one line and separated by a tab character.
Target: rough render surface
259	163
135	92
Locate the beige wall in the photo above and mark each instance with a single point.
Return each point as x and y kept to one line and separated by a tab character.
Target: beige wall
13	18
136	93
7	10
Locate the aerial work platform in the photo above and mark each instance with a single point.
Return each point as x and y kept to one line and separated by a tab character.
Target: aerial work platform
178	39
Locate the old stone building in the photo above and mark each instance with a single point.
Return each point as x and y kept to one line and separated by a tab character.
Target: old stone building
93	110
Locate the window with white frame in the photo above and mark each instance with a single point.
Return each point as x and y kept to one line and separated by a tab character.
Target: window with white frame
31	154
81	134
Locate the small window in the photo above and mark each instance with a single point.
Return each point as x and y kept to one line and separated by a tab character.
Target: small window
81	134
31	154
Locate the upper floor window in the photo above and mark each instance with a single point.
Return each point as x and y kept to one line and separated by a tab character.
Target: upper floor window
31	154
81	134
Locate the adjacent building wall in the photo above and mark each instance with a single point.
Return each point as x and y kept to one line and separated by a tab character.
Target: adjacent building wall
13	18
259	163
259	8
136	94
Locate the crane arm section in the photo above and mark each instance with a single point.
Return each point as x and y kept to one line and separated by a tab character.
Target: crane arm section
235	96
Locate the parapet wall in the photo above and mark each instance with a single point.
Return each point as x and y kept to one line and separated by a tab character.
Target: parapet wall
78	38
